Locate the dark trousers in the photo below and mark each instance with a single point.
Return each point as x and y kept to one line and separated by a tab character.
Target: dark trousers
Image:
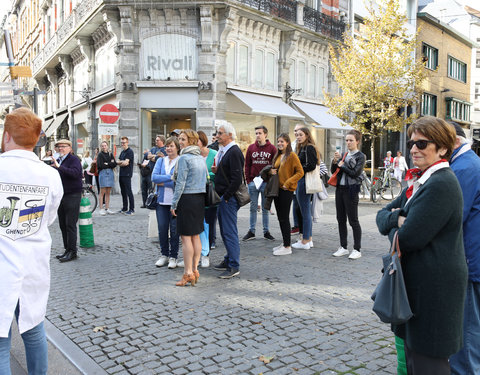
88	178
211	220
127	195
97	182
347	207
146	184
67	218
282	206
419	364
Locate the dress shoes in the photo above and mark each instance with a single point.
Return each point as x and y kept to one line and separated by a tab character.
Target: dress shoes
70	255
61	255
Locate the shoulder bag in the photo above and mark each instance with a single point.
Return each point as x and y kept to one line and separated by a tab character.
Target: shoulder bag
212	198
332	181
242	195
390	297
313	183
151	201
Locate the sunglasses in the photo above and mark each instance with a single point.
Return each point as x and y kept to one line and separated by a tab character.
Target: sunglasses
421	144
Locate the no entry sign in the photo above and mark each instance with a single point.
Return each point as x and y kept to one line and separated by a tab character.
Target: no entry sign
109	113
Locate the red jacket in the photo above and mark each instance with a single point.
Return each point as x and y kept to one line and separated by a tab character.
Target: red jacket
257	158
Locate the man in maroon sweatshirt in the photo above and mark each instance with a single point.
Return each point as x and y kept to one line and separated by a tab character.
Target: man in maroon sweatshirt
259	155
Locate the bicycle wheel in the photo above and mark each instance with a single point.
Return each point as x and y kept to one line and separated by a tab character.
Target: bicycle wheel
375	195
393	190
92	197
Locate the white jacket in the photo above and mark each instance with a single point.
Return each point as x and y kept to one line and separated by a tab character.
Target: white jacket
400	163
30	193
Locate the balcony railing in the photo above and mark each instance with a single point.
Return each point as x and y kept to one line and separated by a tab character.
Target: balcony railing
285	9
323	23
79	14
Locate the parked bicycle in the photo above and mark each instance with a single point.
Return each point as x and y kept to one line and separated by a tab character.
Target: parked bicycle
89	192
386	185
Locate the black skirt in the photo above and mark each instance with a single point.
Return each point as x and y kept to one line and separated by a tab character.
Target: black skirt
190	214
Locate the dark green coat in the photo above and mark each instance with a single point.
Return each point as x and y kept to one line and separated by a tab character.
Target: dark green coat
433	263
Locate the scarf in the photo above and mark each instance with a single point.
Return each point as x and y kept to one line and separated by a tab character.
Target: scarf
194	150
414	174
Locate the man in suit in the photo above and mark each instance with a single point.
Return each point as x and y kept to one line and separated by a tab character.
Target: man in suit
228	169
70	170
125	161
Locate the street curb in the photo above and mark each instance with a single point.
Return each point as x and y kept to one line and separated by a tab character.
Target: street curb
71	351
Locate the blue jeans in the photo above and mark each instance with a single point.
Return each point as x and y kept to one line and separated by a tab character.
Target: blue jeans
295	208
254	193
35	342
305	203
467	360
166	221
227	219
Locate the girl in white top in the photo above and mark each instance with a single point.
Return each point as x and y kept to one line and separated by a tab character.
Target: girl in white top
399	166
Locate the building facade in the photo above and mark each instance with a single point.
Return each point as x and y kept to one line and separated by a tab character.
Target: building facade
447	55
177	64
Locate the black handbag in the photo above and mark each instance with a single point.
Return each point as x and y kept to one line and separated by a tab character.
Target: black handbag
390	297
151	201
242	195
212	198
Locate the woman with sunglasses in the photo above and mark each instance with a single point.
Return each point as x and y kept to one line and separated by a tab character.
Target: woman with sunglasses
346	194
427	217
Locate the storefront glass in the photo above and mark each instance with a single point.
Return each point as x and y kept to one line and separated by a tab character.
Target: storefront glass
161	121
245	128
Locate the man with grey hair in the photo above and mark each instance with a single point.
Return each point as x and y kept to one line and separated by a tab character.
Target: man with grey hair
228	169
466	166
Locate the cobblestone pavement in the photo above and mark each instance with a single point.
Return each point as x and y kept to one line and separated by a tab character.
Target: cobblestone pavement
310	311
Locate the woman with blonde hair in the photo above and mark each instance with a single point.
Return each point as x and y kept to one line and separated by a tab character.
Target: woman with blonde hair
188	203
105	165
309	158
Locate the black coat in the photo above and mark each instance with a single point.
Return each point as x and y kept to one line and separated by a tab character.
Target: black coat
433	263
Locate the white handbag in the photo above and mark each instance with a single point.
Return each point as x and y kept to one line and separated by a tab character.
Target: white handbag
313	183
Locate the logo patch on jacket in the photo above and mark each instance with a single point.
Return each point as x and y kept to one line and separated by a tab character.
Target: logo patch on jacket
21	209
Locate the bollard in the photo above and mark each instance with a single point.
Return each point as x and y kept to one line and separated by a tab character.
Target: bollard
85	224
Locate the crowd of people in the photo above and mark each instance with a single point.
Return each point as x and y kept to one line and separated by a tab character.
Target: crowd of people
435	219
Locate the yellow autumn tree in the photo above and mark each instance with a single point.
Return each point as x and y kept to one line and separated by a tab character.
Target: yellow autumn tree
377	73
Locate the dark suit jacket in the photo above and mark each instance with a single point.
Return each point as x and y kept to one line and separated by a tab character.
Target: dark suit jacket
71	174
229	173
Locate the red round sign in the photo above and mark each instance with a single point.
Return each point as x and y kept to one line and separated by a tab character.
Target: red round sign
109	113
80	143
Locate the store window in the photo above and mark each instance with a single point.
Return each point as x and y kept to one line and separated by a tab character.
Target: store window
318	134
245	128
163	121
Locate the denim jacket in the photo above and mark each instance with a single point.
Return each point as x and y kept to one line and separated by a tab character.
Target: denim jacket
190	174
160	176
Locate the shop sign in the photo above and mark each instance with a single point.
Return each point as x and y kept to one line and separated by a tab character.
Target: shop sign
169	56
108	129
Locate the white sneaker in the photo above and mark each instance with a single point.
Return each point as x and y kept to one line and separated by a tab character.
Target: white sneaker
355	254
109	211
340	252
103	212
311	243
161	261
180	264
283	251
300	245
172	263
278	247
204	261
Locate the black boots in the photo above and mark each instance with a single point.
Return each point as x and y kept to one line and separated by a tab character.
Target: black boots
68	256
61	255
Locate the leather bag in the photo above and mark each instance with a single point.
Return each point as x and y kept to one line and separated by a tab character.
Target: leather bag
390	297
212	198
332	181
151	201
242	195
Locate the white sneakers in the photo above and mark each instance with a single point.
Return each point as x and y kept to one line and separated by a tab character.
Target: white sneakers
204	261
303	246
277	247
172	263
109	211
161	261
282	251
103	212
341	252
355	254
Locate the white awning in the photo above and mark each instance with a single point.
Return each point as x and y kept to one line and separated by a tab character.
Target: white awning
55	124
318	115
256	104
47	123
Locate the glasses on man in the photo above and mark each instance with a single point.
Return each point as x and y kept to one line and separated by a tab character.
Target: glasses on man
421	144
220	133
63	146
